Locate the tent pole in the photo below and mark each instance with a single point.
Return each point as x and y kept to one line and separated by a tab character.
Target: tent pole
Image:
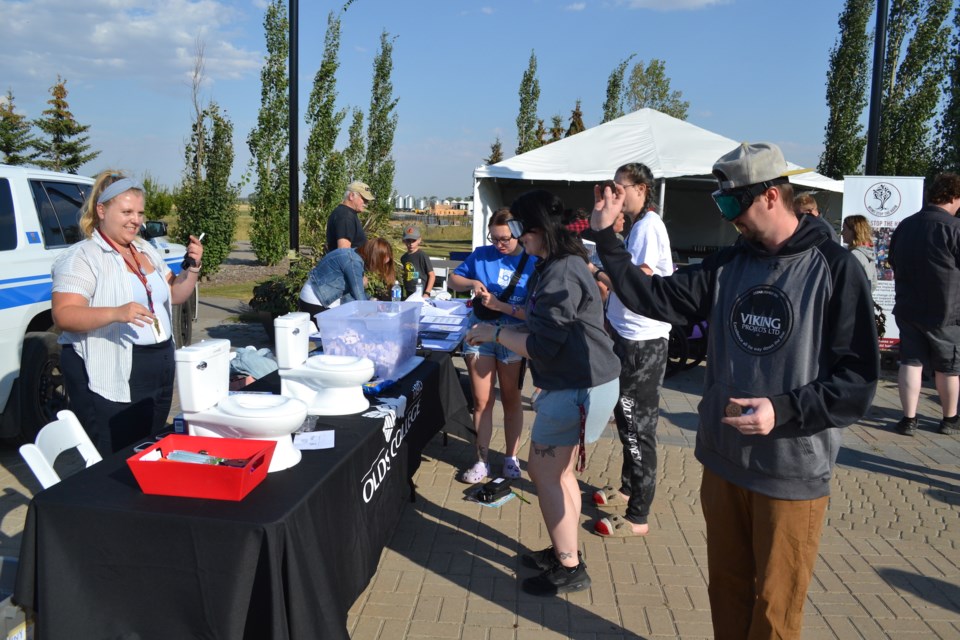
663	189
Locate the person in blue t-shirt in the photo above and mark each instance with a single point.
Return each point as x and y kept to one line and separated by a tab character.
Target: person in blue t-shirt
488	272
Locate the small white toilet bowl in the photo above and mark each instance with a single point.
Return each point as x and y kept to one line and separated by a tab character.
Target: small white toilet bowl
330	385
255	416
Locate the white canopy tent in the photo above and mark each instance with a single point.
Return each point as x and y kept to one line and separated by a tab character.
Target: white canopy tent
679	154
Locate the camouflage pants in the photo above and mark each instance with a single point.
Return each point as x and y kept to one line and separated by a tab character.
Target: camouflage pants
642	364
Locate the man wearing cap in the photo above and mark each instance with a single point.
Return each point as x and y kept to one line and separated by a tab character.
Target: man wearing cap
344	229
792	358
416	264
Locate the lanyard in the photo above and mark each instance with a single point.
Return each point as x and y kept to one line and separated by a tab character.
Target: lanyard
137	270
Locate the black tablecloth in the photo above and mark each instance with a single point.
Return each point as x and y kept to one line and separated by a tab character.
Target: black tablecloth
100	559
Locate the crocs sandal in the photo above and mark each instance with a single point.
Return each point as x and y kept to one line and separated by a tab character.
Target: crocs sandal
511	469
476	473
615	527
608	497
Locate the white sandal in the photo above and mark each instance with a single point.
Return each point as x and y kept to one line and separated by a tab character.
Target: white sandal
476	473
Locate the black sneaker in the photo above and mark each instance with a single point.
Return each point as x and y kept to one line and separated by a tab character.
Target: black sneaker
950	426
556	580
543	559
906	426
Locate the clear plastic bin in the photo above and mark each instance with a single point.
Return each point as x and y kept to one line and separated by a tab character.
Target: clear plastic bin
385	332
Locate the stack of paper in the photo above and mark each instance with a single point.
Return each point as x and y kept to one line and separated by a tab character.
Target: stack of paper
443	324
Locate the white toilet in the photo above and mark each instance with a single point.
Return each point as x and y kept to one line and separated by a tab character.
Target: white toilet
203	376
329	385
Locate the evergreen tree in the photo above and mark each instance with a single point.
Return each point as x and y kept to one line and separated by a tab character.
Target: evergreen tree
847	93
206	200
16	141
527	138
949	129
324	122
380	129
355	153
496	153
649	87
576	121
912	86
540	134
65	147
556	128
613	105
268	143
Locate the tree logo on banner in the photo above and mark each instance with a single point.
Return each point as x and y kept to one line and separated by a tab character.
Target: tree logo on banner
882	199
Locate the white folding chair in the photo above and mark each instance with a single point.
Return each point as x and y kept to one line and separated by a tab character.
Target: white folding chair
62	434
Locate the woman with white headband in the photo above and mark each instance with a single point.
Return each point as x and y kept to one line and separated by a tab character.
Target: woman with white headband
112	300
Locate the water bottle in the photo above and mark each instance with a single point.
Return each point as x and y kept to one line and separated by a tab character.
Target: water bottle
396	292
419	288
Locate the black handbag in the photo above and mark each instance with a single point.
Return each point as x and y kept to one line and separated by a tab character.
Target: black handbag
486	313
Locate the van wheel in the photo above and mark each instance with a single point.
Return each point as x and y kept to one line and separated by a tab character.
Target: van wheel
42	391
182	321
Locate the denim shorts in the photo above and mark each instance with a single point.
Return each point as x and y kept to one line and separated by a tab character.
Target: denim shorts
558	414
490	349
936	347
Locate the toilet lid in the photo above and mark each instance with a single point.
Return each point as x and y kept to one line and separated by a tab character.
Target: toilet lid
260	404
339	363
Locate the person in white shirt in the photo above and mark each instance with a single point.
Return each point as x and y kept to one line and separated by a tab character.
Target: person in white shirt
641	344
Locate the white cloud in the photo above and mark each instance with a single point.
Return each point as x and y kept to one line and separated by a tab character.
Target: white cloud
144	41
576	6
486	10
673	5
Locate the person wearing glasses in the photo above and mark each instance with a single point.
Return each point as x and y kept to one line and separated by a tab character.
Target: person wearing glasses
794	359
641	344
488	272
572	362
344	229
112	300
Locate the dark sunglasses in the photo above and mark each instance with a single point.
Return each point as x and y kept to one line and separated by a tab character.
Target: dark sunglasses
734	202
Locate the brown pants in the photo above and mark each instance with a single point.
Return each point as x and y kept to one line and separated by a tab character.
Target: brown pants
760	555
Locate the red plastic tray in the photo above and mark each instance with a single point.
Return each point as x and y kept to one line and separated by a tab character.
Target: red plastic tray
171	478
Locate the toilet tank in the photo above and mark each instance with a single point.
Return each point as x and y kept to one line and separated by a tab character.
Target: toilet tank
293	339
203	374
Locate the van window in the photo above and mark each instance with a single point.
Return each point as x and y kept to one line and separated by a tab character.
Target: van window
58	205
8	221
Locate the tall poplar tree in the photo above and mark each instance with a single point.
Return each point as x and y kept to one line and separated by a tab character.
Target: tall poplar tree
268	143
576	121
844	141
65	147
16	140
527	138
324	121
380	129
613	105
649	87
949	130
356	151
912	85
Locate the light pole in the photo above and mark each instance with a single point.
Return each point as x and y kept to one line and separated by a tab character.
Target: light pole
876	91
294	141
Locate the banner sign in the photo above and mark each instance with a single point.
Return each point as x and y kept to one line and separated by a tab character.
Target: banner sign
884	202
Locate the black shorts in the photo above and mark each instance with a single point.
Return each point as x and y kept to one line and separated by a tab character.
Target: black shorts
939	348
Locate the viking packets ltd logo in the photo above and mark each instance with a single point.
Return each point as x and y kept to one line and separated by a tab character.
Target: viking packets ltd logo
882	199
761	320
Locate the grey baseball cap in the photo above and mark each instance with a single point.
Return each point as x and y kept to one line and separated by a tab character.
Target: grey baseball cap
750	164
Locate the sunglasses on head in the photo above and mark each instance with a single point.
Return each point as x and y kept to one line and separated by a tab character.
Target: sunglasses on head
516	228
734	202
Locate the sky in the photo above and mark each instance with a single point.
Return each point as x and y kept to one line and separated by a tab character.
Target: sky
752	70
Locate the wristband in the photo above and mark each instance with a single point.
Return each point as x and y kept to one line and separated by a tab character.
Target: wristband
193	270
496	334
596	274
